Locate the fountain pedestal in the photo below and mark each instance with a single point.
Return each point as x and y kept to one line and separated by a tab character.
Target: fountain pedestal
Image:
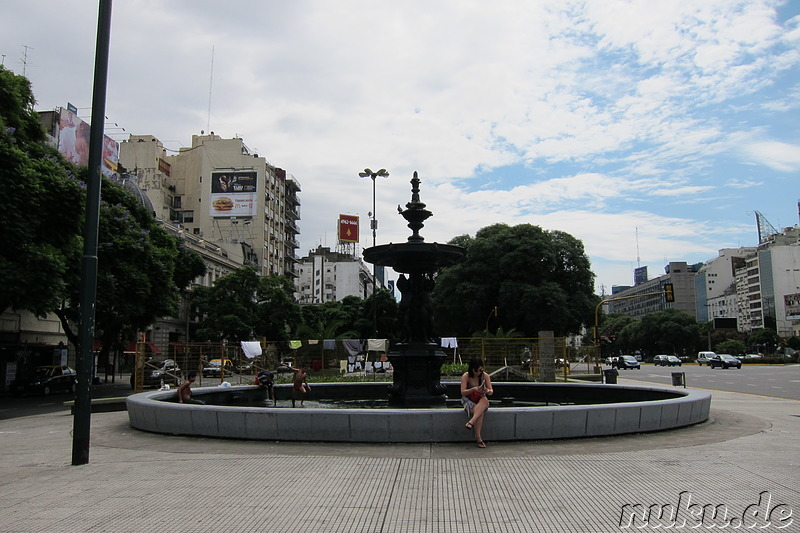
416	359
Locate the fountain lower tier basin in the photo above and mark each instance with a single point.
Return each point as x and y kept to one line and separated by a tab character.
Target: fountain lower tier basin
568	410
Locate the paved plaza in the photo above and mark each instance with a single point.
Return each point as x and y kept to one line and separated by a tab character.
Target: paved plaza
744	461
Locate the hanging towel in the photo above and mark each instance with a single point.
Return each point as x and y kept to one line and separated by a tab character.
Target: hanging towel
329	344
353	346
377	345
295	344
449	342
312	341
251	348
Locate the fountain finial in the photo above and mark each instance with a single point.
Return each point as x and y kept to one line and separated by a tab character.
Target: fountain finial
415	212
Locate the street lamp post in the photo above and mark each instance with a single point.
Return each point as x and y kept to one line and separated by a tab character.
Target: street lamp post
367	173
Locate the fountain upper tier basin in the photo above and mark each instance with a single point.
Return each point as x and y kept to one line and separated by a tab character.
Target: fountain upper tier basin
414	257
626	409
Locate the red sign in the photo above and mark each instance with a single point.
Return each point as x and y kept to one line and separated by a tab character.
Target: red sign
348	228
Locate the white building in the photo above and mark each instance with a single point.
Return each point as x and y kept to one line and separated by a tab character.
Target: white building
715	284
329	276
766	279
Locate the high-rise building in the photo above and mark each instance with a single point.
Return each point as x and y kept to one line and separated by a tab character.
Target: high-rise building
769	278
222	193
715	284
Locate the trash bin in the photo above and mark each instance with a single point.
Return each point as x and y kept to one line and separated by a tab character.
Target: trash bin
678	379
611	375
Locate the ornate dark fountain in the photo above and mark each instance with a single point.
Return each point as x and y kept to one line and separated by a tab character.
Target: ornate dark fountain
417	359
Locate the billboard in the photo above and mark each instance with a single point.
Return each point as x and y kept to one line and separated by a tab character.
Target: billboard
348	228
73	143
792	303
233	193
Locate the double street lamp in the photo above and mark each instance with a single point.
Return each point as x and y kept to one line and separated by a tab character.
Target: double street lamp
373	223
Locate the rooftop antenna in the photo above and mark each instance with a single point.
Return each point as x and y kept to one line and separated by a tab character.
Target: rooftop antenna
25	60
210	84
638	261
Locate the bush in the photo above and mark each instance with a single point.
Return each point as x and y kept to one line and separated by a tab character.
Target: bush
451	369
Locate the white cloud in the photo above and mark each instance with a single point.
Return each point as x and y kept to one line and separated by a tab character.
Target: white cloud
623	113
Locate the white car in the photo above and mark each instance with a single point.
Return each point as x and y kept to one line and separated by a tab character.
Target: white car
703	357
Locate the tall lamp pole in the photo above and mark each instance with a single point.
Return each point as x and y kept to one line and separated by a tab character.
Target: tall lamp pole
374	225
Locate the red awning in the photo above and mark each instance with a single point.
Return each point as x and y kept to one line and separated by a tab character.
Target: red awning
154	348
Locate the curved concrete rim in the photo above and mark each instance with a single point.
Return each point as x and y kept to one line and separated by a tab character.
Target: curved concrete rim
153	412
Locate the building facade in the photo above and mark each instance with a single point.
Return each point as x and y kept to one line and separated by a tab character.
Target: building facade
648	297
220	192
715	284
330	276
768	278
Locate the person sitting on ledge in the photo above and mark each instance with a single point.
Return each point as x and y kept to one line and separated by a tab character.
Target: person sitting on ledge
185	390
476	385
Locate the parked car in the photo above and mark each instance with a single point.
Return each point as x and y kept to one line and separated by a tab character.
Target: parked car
214	368
703	357
666	360
155	377
752	356
169	365
46	380
611	360
627	361
724	360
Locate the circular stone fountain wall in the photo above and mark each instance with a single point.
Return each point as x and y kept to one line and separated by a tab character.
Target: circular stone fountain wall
571	410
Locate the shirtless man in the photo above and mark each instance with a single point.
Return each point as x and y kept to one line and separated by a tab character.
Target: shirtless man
301	385
185	390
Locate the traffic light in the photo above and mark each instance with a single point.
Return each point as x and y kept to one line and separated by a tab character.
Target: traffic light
669	293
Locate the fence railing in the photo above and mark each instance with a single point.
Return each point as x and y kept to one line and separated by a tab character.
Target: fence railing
216	362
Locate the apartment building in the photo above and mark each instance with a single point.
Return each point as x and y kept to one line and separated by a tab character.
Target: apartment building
769	279
329	276
715	284
219	191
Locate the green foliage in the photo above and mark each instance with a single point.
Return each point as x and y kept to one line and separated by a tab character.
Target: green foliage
42	207
453	369
763	340
668	331
793	343
731	346
243	306
539	280
141	270
351	317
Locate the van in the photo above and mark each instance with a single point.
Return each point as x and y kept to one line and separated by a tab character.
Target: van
703	357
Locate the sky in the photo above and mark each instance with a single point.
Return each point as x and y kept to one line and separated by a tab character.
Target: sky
651	131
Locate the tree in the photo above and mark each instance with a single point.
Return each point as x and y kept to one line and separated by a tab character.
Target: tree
141	271
763	341
732	347
244	305
327	320
670	331
539	280
40	244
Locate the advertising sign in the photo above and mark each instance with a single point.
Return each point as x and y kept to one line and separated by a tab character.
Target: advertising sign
233	193
792	303
348	228
73	143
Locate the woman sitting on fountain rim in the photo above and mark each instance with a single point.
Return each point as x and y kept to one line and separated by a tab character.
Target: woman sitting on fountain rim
475	386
